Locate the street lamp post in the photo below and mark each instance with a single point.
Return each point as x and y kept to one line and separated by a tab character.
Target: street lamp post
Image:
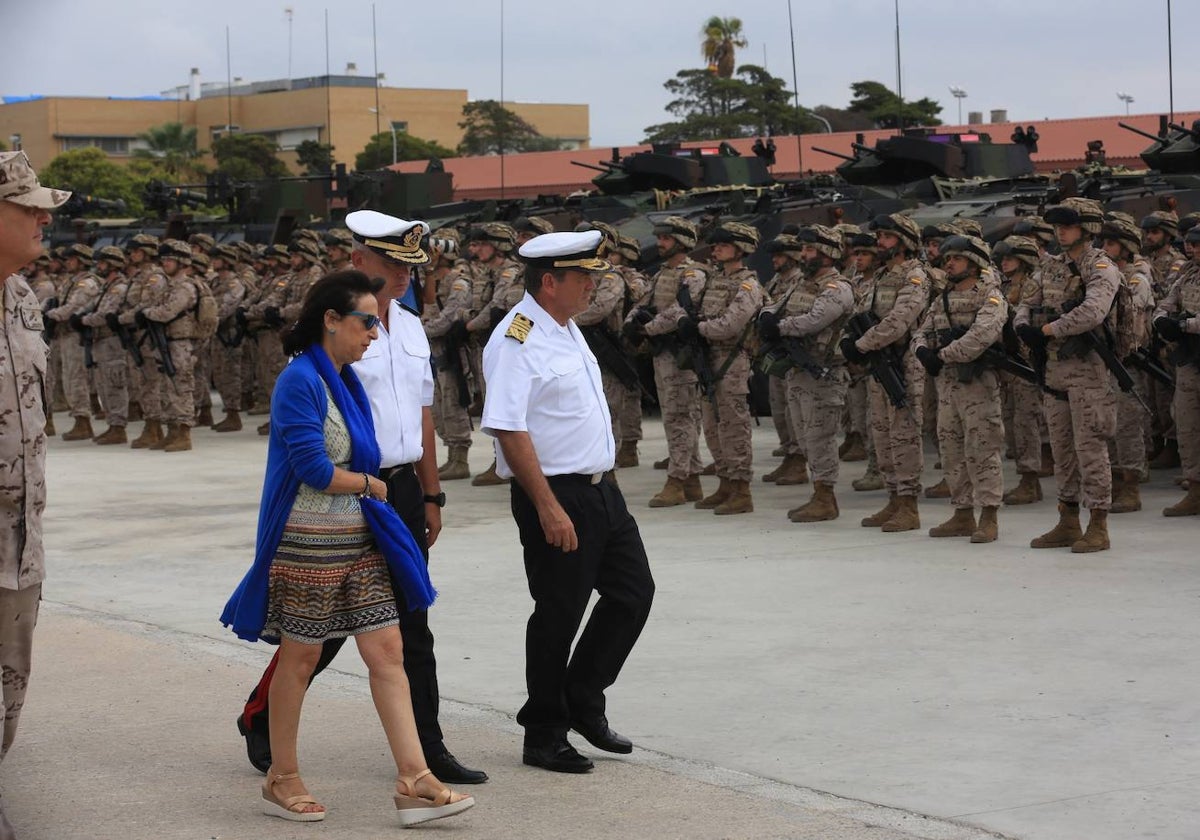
1126	98
959	94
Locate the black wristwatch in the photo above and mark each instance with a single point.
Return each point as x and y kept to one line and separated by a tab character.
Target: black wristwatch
439	499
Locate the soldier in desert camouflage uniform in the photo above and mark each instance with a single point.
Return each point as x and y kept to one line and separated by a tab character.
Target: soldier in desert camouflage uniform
230	291
1159	230
963	321
785	252
107	352
864	255
625	259
1081	425
77	298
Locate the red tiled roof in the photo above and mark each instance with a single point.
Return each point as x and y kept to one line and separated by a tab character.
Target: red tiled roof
1061	145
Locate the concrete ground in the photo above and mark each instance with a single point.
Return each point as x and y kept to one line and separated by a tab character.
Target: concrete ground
793	681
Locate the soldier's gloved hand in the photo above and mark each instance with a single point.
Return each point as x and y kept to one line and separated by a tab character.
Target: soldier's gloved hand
687	329
271	317
642	315
929	360
633	329
240	317
114	323
76	321
768	326
458	331
1169	328
851	352
497	314
140	319
1032	336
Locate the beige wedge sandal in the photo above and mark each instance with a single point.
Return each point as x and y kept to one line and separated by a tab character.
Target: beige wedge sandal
290	807
415	809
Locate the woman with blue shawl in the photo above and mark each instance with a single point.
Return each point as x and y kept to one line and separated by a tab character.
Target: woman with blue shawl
327	545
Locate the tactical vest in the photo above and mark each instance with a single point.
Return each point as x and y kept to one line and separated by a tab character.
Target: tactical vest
483	286
1162	263
75	288
1189	290
888	284
801	301
118	288
666	283
635	287
1140	315
719	292
957	309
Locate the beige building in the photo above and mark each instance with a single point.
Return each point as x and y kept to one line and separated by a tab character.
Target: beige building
340	110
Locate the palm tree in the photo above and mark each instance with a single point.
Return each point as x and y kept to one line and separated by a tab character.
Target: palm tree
722	37
172	145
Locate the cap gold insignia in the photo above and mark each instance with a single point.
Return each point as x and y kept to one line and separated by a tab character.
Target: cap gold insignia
519	328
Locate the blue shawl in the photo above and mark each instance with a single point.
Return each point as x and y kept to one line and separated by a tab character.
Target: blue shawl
296	454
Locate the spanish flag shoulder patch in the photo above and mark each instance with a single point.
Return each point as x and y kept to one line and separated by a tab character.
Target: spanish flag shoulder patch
519	328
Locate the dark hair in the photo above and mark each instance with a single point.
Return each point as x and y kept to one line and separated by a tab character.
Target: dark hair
337	291
534	274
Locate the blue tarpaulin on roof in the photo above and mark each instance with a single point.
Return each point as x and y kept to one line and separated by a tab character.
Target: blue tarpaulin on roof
8	100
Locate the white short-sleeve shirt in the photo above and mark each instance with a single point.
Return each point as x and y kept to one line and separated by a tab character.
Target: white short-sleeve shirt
397	376
549	386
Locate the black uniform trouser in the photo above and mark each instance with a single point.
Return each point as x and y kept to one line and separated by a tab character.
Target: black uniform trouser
565	686
406	496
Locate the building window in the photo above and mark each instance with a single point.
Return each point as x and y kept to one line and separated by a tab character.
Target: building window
289	138
115	146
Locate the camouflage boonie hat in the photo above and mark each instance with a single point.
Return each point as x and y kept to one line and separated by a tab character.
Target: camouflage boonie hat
497	234
629	248
142	240
533	224
1020	248
971	247
1085	212
112	254
744	236
202	243
825	240
230	253
20	185
1034	226
175	249
967	227
305	247
339	238
1123	231
901	225
786	244
202	261
83	252
1163	220
683	231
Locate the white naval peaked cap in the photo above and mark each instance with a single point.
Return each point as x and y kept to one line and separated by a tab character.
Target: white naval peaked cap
565	249
395	238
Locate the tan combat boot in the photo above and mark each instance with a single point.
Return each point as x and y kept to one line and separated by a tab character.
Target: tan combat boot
853	449
161	443
941	490
1126	492
456	467
204	416
82	430
692	490
50	431
1189	505
739	500
906	517
1096	536
778	451
822	507
989	529
182	441
151	434
112	435
711	469
961	524
231	422
795	471
769	478
872	480
671	495
663	464
721	494
265	429
627	455
884	515
1065	533
488	477
1047	468
1027	491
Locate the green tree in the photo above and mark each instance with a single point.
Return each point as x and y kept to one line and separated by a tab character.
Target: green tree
3	146
314	158
378	151
248	157
489	128
90	172
881	105
172	146
709	107
722	39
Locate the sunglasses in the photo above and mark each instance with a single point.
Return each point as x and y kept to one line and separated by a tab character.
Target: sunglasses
369	321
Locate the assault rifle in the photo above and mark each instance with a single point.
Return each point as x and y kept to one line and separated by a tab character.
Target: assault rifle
157	333
1104	349
456	339
608	352
997	357
886	365
121	331
1147	362
693	351
49	325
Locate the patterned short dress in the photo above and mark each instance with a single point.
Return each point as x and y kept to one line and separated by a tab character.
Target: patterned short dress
328	579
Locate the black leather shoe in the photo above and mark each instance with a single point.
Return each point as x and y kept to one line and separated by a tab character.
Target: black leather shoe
258	746
559	757
448	769
601	737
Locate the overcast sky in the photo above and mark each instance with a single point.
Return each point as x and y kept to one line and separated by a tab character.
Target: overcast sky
1037	58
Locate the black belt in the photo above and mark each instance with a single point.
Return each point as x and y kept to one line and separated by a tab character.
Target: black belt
387	473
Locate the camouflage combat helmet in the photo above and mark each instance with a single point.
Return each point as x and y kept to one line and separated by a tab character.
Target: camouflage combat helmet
1164	220
1192	235
497	234
202	241
611	237
112	255
967	227
1123	231
247	250
175	249
742	235
786	244
846	230
1020	248
1188	222
971	247
629	248
306	247
938	231
680	229
1034	226
306	233
201	261
83	252
826	240
533	224
42	260
339	238
276	252
901	225
862	242
230	253
1085	212
142	240
1120	216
